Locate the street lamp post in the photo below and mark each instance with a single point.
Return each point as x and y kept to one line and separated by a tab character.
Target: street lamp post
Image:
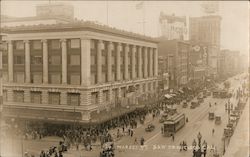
199	152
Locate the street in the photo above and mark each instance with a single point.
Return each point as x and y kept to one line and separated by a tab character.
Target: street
155	143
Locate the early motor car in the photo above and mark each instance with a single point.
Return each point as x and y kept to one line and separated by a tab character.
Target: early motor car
217	119
150	128
211	115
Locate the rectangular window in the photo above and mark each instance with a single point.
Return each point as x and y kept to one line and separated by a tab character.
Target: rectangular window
94	98
93	79
55	44
19	60
19	77
19	45
55	60
36	97
75	60
37	45
18	96
4	46
74	99
5	95
74	43
5	60
55	78
37	60
5	76
37	78
93	60
106	96
75	79
54	98
104	77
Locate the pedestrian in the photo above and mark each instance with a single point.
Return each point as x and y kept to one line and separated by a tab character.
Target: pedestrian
213	132
142	141
181	147
131	132
135	142
173	137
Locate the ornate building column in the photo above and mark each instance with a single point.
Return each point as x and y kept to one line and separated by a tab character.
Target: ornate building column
133	62
109	61
126	62
45	62
118	61
139	63
150	62
155	51
10	61
85	61
64	61
27	61
145	62
100	47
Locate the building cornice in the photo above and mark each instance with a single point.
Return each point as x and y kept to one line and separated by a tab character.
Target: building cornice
76	26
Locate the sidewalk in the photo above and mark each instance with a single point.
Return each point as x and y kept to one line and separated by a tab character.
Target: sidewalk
239	143
96	146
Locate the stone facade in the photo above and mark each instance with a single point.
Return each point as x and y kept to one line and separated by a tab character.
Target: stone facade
142	64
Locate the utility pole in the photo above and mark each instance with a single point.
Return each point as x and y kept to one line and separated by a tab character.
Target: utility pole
107	12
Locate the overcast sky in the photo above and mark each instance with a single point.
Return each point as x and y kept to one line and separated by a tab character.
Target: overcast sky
123	15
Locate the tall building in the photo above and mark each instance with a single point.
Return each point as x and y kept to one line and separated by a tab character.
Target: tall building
173	27
1	69
163	73
230	62
176	52
206	31
76	71
53	13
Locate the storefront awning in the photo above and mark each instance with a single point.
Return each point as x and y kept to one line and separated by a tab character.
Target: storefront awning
181	91
168	96
173	95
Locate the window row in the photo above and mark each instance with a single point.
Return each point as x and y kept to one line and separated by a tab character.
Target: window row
37	77
37	44
36	97
38	59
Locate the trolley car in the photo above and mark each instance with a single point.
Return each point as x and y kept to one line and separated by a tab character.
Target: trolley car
173	124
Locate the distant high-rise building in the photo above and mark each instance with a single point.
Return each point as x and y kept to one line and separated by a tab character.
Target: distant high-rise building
45	14
210	7
173	27
206	31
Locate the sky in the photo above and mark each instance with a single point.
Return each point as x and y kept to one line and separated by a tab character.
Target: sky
124	15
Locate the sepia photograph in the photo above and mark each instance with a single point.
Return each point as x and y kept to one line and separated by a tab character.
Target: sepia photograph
124	78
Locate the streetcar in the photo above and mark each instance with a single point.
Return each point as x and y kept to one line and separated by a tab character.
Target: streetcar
173	124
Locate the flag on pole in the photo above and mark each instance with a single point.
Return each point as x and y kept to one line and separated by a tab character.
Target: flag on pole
139	5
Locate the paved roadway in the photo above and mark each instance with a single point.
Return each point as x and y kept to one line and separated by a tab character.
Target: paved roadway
155	143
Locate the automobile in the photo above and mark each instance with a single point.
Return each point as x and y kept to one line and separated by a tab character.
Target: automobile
211	115
150	128
163	118
200	100
228	132
194	104
217	119
184	105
